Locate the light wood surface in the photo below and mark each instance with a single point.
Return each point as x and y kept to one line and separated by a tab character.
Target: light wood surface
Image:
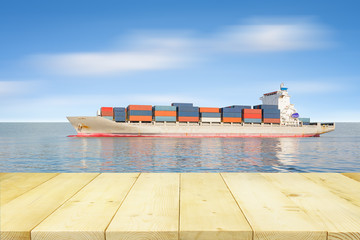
271	214
22	214
150	211
355	176
13	185
208	210
339	217
87	214
69	206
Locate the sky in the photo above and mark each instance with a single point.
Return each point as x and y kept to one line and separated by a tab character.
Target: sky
69	58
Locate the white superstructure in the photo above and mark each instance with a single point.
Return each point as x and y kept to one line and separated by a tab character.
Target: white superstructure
281	98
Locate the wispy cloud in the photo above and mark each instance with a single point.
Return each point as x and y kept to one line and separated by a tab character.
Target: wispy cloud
151	52
13	88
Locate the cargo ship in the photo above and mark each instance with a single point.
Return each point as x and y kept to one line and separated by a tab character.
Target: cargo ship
275	117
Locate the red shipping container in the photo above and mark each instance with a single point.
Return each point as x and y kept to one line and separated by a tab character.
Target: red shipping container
140	118
252	115
252	111
188	119
208	109
271	120
231	119
140	107
165	113
107	111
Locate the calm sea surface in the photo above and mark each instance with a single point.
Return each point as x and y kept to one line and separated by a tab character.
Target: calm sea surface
45	147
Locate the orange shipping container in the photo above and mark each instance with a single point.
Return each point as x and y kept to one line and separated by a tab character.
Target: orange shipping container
140	107
188	119
231	119
140	118
208	109
107	111
271	120
165	113
252	115
252	111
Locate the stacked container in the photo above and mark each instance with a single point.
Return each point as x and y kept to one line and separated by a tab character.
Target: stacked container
164	113
233	113
305	121
119	114
186	112
136	113
270	113
252	115
107	112
210	114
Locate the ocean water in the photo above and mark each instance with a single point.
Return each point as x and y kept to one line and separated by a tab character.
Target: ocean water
45	147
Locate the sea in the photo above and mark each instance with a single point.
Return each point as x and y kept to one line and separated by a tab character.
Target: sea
46	147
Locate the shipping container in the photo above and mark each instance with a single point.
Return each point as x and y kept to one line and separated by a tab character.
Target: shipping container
210	114
210	119
232	114
119	114
187	109
164	108
252	120
209	110
231	110
271	120
256	111
182	104
232	119
139	113
108	117
165	119
107	111
140	118
271	115
165	113
188	114
119	118
265	107
119	109
140	107
252	115
307	120
239	106
271	111
188	119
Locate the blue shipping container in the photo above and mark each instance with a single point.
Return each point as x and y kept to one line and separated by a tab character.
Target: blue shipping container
232	114
271	111
120	114
165	119
188	114
119	119
231	110
307	120
265	106
164	108
139	113
187	109
182	104
119	109
271	115
251	120
240	106
210	114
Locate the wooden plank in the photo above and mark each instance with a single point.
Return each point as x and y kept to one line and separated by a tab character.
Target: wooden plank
338	184
22	214
340	218
208	210
150	211
15	184
355	176
271	214
87	214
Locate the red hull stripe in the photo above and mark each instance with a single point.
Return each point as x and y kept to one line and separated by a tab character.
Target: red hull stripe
194	136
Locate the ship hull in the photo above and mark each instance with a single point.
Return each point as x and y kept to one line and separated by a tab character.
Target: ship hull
101	127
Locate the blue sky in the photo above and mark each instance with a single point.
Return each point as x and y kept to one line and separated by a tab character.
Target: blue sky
69	58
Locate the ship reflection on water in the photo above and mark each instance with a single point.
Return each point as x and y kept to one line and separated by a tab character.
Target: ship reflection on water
189	154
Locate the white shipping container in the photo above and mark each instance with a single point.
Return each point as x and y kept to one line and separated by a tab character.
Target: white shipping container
210	119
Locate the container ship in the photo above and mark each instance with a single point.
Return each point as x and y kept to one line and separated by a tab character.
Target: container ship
275	117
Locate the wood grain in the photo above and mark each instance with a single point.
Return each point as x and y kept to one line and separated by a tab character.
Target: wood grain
13	185
271	214
208	210
87	214
150	211
22	214
339	217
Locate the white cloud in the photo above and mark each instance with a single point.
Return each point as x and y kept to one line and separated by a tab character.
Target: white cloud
10	88
150	52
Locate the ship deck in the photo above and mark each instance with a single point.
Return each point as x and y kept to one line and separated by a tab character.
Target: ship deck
180	206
